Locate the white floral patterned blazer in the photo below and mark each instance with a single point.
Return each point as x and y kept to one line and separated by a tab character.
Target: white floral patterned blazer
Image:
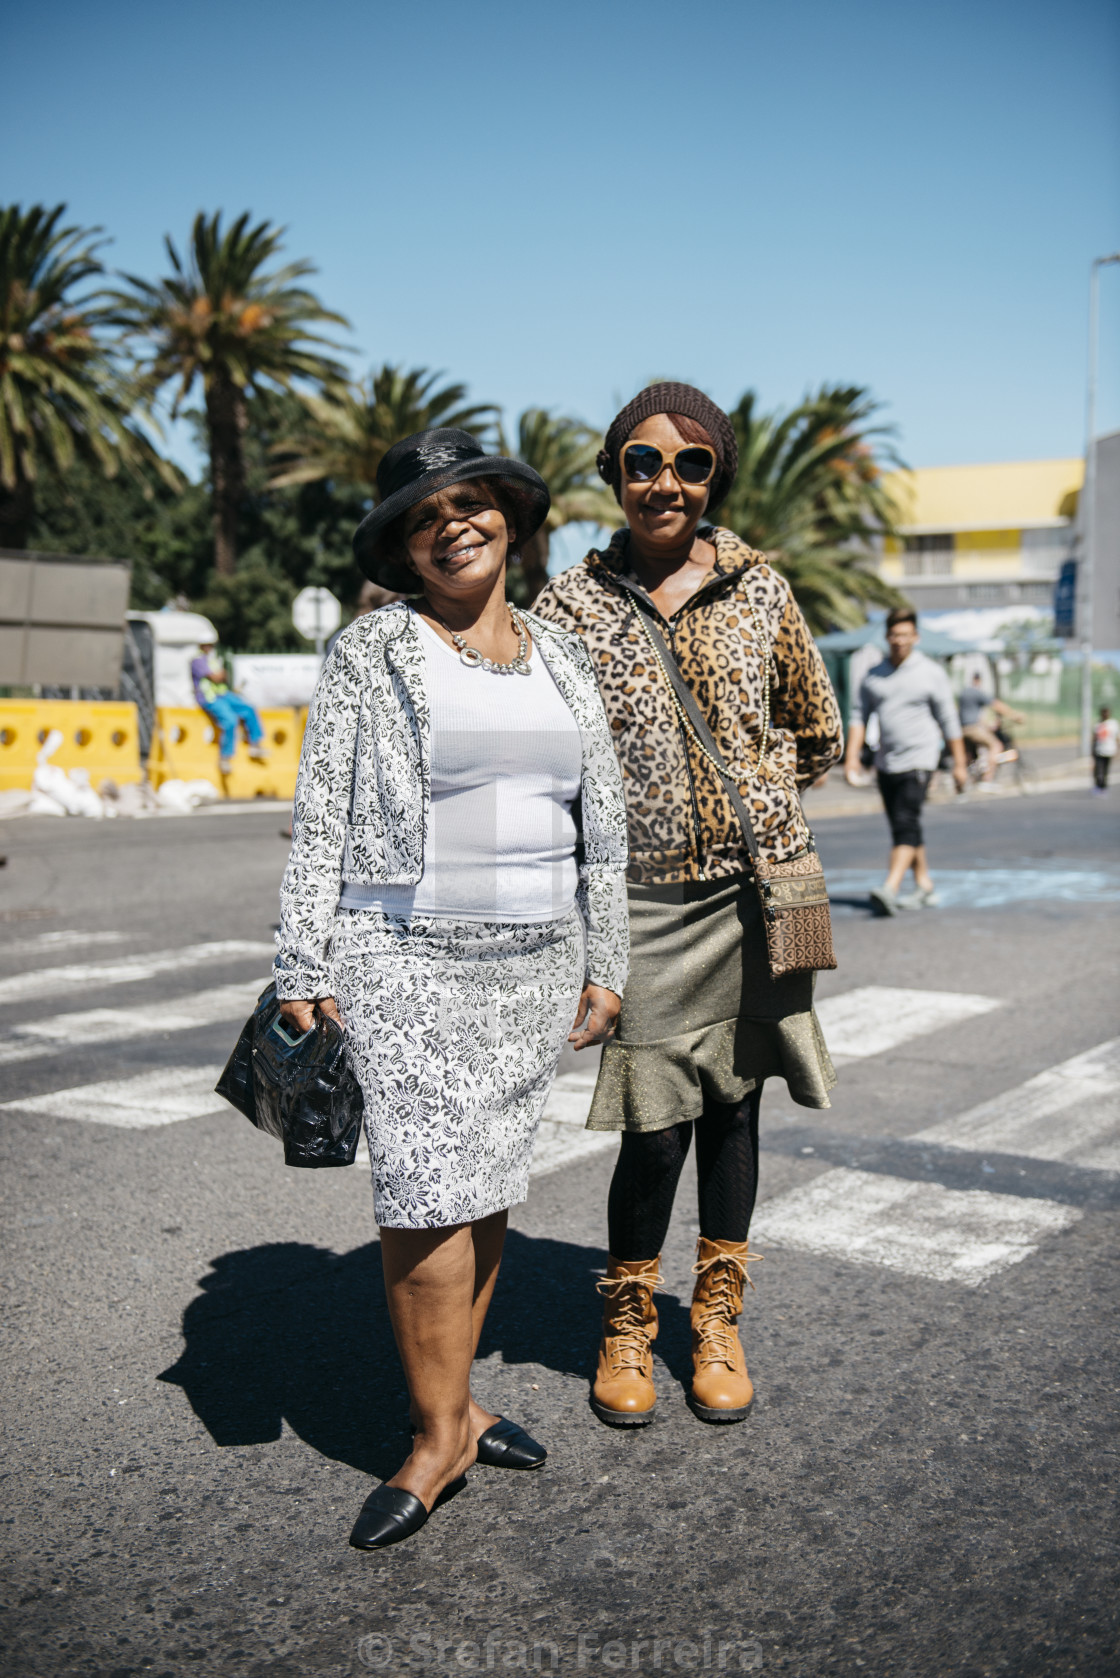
364	790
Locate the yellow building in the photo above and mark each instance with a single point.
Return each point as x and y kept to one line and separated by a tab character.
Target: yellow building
983	535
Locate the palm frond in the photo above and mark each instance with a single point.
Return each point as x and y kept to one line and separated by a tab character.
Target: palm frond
812	495
64	390
350	430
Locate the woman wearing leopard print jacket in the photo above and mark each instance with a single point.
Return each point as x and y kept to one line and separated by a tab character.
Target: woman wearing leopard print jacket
703	1024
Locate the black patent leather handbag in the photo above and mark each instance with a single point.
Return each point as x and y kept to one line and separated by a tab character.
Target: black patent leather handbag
300	1089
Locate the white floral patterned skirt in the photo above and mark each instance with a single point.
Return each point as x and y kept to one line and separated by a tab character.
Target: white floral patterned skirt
455	1029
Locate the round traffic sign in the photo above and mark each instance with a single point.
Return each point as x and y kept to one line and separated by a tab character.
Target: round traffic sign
316	613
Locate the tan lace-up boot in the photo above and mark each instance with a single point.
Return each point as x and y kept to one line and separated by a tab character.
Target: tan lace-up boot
623	1394
721	1387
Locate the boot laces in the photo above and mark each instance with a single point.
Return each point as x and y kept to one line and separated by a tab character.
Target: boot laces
725	1274
627	1336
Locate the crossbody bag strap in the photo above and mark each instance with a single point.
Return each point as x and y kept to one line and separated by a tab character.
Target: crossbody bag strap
687	702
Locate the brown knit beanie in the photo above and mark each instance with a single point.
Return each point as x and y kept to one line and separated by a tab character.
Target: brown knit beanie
672	399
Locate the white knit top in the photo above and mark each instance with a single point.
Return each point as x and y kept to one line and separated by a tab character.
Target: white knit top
506	764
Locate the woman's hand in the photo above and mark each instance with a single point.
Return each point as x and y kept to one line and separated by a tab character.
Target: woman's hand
302	1014
596	1017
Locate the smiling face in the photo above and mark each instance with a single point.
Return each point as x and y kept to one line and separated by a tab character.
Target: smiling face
457	541
663	514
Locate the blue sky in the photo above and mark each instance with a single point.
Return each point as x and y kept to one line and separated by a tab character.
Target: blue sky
557	203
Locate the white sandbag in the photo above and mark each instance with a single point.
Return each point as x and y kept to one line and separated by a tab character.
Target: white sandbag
42	805
50	745
203	791
15	801
182	796
88	802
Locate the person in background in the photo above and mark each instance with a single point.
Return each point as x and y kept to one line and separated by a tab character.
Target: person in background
972	705
225	709
911	696
1104	749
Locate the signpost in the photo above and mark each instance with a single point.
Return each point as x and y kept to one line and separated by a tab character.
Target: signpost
316	614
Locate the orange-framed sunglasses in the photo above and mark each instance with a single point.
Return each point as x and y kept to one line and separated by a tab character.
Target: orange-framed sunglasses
693	463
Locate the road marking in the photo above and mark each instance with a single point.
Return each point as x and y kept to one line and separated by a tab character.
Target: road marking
48	941
561	1138
875	1018
920	1229
995	888
1070	1112
56	981
164	1097
118	1025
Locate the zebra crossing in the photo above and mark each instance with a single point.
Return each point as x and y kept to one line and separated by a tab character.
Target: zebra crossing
1069	1113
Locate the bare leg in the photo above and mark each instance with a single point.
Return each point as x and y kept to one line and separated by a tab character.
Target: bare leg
430	1286
902	856
488	1238
922	877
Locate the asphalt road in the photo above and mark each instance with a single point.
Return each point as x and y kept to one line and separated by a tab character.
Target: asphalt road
200	1380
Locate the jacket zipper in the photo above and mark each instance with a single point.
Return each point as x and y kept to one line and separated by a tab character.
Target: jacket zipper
688	771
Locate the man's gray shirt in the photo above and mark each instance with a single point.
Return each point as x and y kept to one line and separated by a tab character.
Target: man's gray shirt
914	704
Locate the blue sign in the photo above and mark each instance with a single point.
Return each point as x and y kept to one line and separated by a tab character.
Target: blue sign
1065	601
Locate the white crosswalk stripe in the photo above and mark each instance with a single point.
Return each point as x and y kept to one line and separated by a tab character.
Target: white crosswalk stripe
164	1097
118	1025
876	1018
562	1139
921	1229
1070	1112
129	970
44	943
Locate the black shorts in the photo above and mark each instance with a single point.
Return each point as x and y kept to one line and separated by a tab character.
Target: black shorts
903	796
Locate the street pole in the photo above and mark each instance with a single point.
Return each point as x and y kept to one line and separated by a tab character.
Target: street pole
1089	510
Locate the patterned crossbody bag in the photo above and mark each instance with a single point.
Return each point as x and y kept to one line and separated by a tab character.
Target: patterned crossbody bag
793	893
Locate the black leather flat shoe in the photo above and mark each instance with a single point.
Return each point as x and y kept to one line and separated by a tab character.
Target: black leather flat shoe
505	1445
390	1514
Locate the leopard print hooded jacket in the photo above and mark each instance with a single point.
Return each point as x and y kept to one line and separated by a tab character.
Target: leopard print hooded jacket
682	824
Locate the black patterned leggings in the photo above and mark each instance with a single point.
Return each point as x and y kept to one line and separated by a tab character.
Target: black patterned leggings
649	1168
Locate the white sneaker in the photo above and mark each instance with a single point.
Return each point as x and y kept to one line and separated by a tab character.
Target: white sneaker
884	902
924	898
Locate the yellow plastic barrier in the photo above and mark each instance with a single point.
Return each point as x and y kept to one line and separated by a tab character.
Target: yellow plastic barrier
102	737
185	747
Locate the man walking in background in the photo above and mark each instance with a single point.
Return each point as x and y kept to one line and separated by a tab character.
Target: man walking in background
911	696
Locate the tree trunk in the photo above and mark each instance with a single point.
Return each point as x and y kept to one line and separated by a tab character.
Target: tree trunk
534	564
17	509
226	421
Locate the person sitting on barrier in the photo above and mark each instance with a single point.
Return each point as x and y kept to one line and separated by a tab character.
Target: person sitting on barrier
225	709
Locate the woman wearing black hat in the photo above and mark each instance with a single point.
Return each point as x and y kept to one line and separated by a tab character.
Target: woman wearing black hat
436	896
703	1024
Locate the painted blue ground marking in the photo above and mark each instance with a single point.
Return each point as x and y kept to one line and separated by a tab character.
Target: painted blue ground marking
985	888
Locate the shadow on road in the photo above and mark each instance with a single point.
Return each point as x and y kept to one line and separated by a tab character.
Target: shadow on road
294	1333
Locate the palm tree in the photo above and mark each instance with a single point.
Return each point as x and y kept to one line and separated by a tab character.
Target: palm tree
811	494
220	318
351	429
563	451
61	391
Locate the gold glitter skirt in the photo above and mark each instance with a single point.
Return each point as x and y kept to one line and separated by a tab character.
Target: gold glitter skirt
701	1015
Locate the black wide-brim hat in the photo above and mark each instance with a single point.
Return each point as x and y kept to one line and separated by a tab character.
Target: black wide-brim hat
422	465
